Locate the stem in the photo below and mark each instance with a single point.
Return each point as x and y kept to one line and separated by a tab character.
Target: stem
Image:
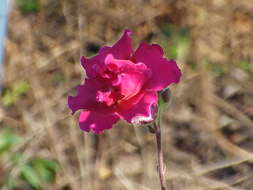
160	167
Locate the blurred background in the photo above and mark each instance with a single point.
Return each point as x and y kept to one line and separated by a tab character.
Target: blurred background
207	129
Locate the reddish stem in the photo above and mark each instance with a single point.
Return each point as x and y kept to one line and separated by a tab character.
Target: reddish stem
160	167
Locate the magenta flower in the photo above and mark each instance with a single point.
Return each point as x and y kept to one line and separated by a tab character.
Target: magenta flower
122	84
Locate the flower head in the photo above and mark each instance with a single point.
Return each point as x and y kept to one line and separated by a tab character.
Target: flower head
122	84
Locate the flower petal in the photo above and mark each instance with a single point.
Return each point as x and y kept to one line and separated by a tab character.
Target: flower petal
164	72
86	97
131	77
139	106
122	49
96	122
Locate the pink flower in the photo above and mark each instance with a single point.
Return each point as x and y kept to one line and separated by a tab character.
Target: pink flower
122	84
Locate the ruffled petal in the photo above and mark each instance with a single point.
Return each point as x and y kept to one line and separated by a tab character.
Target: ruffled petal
86	97
96	122
139	107
131	77
122	49
164	71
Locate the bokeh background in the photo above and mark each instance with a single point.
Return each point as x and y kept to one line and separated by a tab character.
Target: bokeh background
207	129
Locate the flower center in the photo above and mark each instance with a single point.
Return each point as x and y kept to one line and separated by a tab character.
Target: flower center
109	97
121	80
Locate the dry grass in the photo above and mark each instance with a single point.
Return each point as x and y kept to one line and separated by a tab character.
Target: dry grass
207	131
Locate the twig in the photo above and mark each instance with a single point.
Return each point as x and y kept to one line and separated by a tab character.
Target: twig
160	168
